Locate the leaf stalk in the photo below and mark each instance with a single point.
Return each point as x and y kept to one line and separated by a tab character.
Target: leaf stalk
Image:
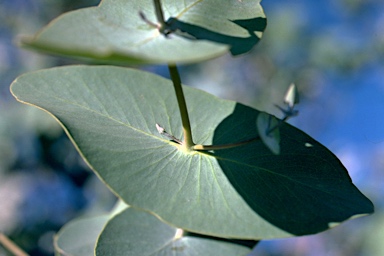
159	15
224	146
187	131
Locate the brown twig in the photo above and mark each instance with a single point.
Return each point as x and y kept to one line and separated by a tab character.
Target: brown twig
11	246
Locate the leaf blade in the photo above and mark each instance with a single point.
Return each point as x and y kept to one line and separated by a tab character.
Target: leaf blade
114	32
112	121
135	232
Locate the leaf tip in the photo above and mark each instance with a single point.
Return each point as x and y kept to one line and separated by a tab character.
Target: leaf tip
335	224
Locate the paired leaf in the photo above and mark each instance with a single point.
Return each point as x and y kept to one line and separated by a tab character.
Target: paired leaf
246	192
127	231
115	32
135	232
79	236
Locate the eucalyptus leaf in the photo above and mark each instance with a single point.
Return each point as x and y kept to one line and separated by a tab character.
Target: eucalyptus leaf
79	236
246	192
115	32
135	232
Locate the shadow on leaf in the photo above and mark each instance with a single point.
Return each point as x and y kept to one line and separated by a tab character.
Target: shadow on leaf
238	45
248	243
304	190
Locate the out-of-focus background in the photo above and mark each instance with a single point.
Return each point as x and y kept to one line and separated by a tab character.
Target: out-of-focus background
332	49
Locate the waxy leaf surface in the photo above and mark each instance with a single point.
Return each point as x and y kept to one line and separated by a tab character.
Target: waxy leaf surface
115	32
246	192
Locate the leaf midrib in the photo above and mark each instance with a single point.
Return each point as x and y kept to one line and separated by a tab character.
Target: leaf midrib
271	172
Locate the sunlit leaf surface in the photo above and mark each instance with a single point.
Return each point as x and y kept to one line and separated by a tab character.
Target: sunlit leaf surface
246	192
115	32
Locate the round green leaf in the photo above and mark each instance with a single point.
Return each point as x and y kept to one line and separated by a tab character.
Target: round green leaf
114	31
79	236
246	192
135	232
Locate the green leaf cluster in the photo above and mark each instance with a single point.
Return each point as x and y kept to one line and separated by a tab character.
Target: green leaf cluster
237	182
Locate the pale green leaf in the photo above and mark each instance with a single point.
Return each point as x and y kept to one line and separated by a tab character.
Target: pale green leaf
245	192
79	236
115	32
135	232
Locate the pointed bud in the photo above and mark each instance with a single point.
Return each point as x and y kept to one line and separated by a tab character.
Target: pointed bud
160	129
291	96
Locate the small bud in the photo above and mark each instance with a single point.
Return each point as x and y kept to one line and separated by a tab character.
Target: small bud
291	96
160	129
